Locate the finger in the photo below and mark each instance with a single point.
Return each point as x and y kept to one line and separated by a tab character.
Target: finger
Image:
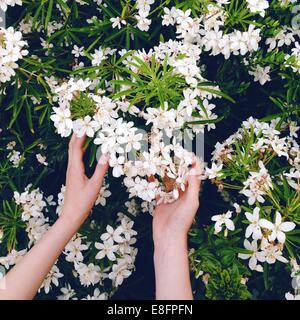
71	144
70	152
100	171
77	152
194	182
72	140
157	197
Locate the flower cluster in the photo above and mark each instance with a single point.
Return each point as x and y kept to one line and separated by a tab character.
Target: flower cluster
11	50
141	80
112	259
208	34
104	119
15	158
115	246
141	18
5	3
295	274
253	148
33	206
258	6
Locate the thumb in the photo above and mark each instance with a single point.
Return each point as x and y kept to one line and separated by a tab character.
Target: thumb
100	171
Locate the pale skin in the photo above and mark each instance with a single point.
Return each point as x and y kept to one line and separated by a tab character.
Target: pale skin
171	224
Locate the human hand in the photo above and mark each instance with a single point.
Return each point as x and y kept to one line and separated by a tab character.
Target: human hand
172	221
81	191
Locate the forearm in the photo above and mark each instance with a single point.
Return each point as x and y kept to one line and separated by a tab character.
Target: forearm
24	280
172	270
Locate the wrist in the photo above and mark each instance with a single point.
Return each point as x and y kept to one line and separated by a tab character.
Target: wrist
170	245
70	219
170	239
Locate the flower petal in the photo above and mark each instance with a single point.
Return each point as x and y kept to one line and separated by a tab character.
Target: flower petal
266	224
229	224
281	236
287	226
278	218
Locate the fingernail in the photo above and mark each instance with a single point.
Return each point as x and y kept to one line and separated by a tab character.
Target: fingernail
104	158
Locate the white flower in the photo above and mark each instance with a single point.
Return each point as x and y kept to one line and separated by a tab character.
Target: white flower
236	42
12	258
103	194
117	163
88	274
85	126
143	23
52	277
36	228
81	2
98	56
254	228
67	293
283	37
11	145
294	128
79	85
237	207
261	74
97	294
112	234
272	252
119	272
25	25
32	203
60	201
77	52
290	296
107	248
278	229
258	6
73	250
127	230
215	171
62	121
189	102
132	207
144	5
141	188
41	159
161	119
117	22
254	256
257	184
169	16
223	219
5	3
15	158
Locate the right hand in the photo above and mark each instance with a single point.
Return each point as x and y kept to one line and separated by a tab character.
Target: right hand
172	221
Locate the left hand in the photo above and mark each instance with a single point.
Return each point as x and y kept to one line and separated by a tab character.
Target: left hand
81	191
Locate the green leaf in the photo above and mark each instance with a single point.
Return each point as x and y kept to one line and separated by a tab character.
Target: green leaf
49	14
29	116
266	275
